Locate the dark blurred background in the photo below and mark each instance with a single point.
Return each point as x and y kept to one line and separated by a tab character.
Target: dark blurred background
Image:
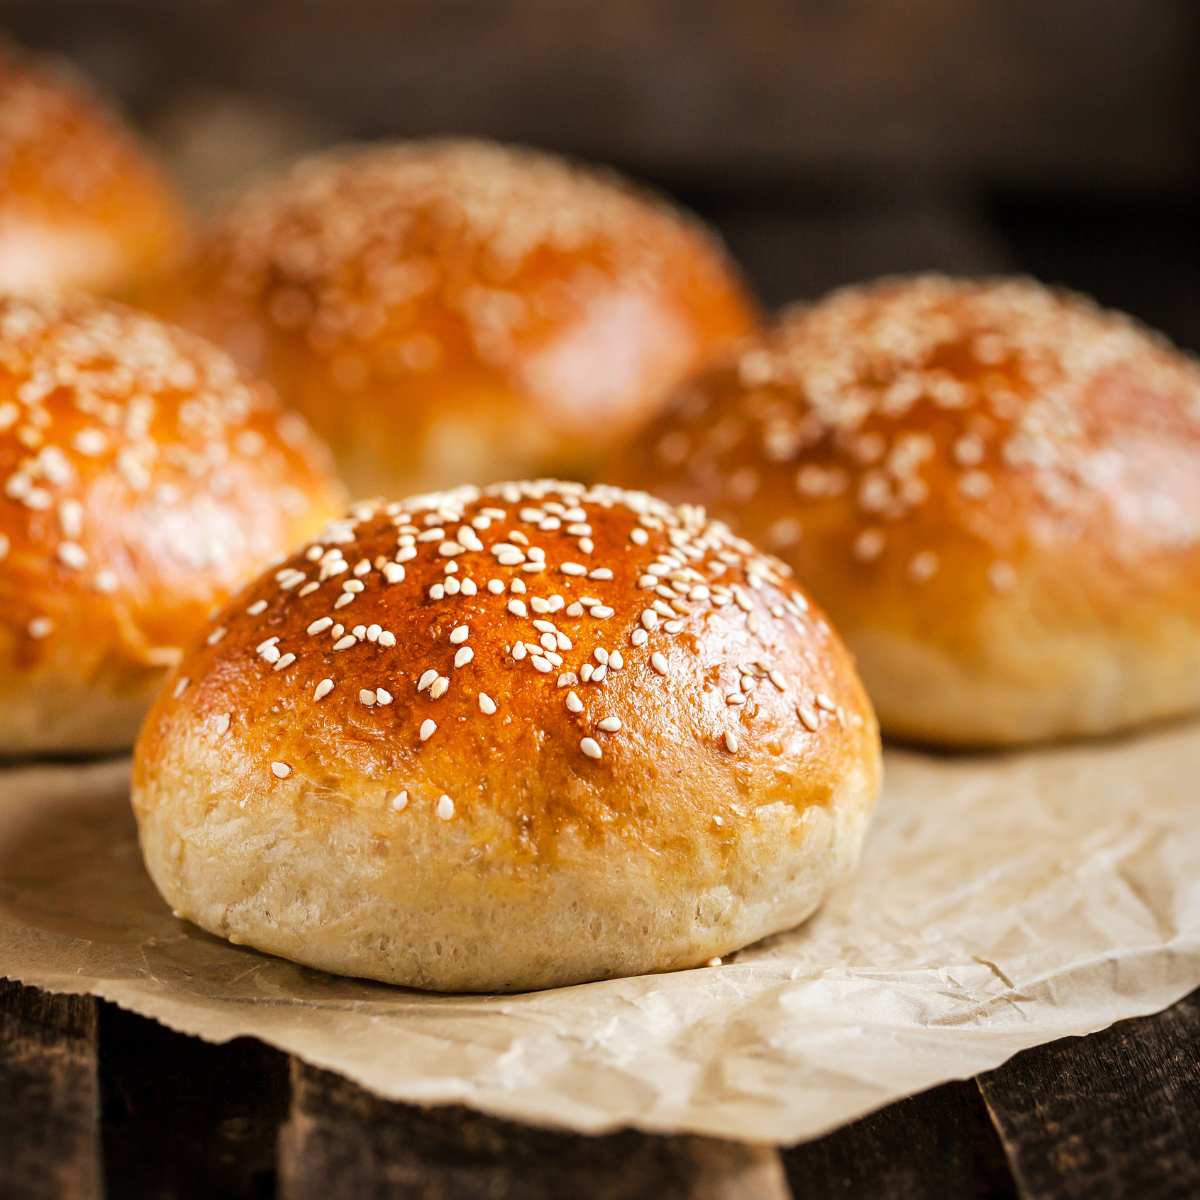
828	141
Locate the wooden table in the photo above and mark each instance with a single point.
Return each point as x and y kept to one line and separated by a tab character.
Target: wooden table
94	1100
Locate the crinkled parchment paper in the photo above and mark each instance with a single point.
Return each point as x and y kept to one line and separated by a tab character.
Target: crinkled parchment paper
1003	901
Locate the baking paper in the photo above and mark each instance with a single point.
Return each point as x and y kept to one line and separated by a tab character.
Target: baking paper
1003	901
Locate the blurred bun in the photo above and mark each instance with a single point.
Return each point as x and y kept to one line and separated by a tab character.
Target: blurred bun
447	312
81	204
993	487
142	480
509	739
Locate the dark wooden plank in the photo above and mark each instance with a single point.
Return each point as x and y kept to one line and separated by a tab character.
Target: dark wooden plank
183	1118
1114	1115
937	1144
340	1141
798	251
49	1101
1013	89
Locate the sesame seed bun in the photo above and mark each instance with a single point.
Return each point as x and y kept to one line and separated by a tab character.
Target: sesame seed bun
81	204
509	739
447	312
993	487
142	480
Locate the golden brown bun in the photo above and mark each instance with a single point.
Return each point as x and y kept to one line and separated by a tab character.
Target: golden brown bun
994	488
81	204
142	480
448	312
579	734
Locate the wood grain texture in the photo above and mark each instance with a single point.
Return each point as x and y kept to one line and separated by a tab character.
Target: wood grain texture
183	1118
340	1141
1116	1114
937	1144
49	1100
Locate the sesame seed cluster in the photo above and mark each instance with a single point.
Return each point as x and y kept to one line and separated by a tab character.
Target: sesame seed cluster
917	394
350	245
104	413
450	611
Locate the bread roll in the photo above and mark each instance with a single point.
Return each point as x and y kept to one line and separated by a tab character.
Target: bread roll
81	204
455	312
509	739
993	487
142	480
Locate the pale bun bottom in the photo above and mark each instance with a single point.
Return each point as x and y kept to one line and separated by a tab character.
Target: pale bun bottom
415	910
1074	684
55	715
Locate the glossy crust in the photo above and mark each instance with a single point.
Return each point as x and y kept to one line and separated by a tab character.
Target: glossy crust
509	740
81	204
450	312
142	480
993	487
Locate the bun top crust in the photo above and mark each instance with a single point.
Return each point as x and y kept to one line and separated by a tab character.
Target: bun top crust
941	440
475	276
81	204
142	479
535	661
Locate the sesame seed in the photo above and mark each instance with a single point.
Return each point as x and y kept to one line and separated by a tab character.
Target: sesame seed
658	661
216	635
459	634
445	808
284	661
439	687
257	608
383	696
221	724
573	568
180	686
731	742
574	704
464	656
399	802
428	729
366	696
344	643
427	677
486	704
40	627
323	689
591	747
808	718
280	770
609	724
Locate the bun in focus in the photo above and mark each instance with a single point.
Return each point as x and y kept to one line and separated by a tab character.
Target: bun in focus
142	480
452	311
509	739
993	487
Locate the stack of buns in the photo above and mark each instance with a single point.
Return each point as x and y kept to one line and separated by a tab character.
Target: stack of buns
513	732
